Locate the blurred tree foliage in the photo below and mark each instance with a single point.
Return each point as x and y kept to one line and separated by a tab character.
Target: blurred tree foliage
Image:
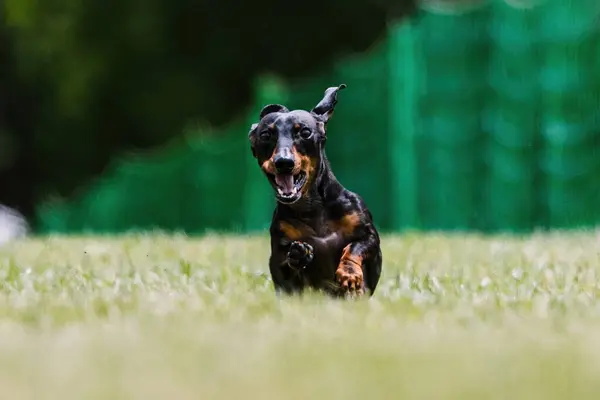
83	79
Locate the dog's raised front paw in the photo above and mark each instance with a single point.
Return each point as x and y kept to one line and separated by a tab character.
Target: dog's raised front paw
300	254
350	278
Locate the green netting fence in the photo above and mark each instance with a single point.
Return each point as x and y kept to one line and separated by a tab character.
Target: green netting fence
487	119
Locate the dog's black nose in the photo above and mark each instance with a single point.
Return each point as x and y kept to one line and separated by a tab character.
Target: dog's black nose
284	165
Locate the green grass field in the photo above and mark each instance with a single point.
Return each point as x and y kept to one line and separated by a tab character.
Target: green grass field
155	316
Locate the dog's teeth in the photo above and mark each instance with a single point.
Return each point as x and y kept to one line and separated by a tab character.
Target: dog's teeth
284	194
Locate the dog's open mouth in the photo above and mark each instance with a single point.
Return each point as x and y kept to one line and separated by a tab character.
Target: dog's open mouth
288	187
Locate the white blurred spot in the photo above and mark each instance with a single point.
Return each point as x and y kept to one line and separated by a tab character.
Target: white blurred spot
12	225
485	281
517	273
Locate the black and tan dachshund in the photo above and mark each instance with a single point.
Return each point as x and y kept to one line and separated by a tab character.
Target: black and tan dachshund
322	234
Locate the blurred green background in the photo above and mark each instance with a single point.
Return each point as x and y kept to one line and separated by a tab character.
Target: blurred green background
459	115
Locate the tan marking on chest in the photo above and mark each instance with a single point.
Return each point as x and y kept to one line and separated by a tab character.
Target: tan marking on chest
296	232
290	230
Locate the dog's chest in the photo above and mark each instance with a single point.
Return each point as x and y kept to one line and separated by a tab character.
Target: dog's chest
328	238
315	228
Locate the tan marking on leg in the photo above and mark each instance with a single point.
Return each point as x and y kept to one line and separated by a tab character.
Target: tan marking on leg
345	225
349	273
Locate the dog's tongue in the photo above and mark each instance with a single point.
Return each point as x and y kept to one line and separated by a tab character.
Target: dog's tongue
285	182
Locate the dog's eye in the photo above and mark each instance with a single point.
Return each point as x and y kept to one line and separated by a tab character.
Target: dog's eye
265	135
305	133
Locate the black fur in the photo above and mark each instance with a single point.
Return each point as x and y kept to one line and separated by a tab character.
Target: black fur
322	236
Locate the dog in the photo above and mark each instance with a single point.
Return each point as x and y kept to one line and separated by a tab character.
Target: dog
322	234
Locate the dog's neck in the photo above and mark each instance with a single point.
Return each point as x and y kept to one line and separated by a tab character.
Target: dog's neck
324	187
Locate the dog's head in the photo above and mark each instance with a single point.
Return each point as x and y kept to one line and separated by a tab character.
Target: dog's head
288	145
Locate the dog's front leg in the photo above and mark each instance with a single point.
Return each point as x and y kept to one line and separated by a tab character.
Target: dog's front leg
286	264
299	255
357	258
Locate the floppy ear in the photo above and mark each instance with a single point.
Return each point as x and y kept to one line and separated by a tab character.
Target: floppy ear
271	108
252	138
324	110
252	130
